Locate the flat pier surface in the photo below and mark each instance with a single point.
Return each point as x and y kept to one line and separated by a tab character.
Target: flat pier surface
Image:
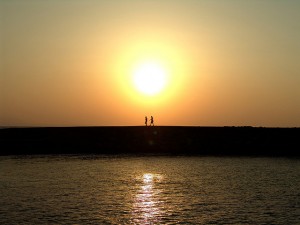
158	140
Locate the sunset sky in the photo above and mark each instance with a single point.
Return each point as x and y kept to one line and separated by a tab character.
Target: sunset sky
211	63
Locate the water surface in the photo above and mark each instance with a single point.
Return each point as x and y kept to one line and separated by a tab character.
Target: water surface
149	190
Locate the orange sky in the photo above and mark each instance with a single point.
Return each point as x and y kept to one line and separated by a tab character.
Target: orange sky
229	63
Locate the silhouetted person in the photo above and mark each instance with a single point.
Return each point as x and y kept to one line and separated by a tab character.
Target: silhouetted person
151	121
146	121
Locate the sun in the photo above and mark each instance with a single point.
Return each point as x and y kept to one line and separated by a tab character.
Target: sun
149	78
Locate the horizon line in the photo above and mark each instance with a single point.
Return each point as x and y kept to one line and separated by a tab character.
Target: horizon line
119	126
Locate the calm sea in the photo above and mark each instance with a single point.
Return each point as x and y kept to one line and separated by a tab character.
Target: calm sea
149	190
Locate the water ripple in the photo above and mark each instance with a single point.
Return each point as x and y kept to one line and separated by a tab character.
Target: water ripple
149	190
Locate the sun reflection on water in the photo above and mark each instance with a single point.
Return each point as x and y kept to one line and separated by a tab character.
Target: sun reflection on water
147	206
148	178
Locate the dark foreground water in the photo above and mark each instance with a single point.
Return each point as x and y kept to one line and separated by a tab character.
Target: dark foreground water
149	190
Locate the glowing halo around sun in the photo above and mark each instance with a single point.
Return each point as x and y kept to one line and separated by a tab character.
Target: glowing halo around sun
149	78
148	73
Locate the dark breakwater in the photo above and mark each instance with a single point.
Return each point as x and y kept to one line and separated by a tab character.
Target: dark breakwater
158	140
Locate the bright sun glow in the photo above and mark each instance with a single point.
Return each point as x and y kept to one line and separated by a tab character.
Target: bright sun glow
149	78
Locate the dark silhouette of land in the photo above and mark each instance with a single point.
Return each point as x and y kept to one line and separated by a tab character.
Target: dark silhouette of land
158	140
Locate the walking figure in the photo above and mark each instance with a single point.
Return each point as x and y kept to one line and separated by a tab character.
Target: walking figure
151	121
146	121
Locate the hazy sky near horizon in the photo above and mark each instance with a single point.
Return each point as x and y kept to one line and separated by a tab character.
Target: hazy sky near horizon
229	63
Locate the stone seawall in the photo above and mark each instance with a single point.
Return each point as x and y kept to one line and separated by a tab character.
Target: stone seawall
158	140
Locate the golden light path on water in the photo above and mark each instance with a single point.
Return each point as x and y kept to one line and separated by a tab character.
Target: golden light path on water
147	206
